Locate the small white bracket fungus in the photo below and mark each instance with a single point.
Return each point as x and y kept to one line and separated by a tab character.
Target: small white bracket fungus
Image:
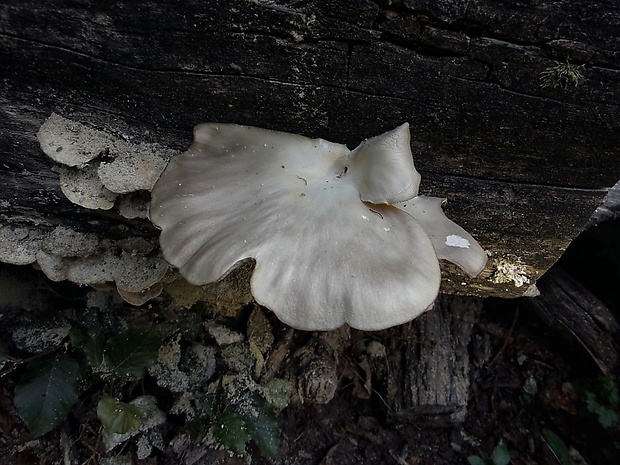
92	181
132	171
85	259
71	143
65	242
83	187
331	241
19	246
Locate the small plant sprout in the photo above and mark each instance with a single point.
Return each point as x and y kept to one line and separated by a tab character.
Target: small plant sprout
339	236
562	75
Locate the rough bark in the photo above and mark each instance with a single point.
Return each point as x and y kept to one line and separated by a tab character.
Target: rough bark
428	368
579	316
523	165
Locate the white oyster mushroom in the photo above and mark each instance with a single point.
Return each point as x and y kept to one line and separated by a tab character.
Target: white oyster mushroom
451	242
330	247
383	167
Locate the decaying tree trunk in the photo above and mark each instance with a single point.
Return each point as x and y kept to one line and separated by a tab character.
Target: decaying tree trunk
567	306
428	379
502	126
513	108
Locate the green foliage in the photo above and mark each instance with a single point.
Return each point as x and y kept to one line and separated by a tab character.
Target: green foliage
476	460
230	430
46	392
94	356
263	427
49	386
606	416
500	456
605	402
118	417
557	446
90	341
609	390
133	351
249	418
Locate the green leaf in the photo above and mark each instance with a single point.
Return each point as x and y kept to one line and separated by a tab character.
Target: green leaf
195	428
606	417
47	392
557	446
501	455
215	402
475	460
118	417
133	351
78	336
230	431
91	341
264	427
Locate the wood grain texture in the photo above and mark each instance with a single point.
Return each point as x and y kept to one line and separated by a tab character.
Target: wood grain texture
579	316
428	367
523	166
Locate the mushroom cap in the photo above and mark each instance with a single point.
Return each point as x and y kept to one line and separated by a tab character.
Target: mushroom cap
301	208
451	242
383	167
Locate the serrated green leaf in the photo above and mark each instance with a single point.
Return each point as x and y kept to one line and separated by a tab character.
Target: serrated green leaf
263	427
118	417
558	447
230	430
133	351
501	455
46	392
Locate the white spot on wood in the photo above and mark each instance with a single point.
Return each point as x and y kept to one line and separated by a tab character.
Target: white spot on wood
510	272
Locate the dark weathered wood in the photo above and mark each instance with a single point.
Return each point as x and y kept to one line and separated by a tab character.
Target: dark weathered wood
428	367
523	165
579	316
418	372
609	208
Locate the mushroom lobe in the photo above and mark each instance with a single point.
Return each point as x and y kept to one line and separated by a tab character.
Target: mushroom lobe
331	243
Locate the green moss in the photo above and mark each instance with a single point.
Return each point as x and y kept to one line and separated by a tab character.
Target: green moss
562	75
